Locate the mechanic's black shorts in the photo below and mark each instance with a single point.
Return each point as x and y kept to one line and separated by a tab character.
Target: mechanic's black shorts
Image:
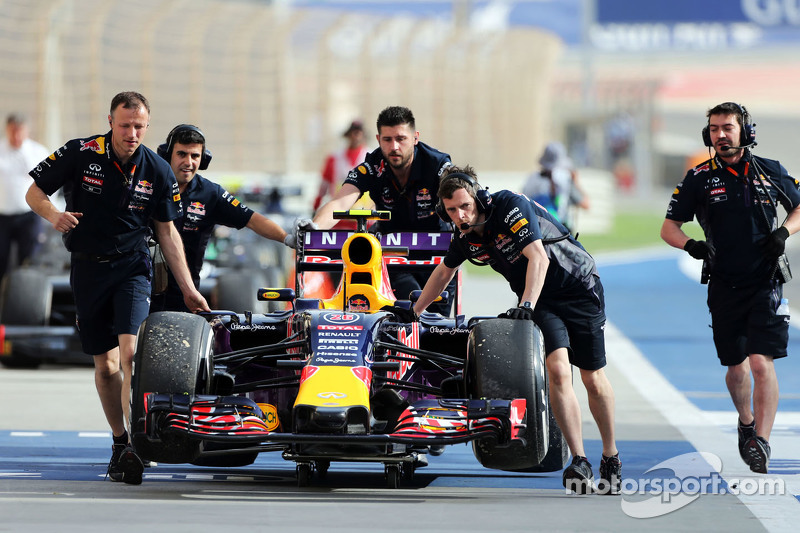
744	321
111	298
577	323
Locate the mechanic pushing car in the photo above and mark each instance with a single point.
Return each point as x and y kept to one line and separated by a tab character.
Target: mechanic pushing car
114	186
735	197
401	176
558	288
205	204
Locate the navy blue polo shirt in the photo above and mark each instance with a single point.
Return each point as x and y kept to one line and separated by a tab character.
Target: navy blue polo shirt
728	202
117	201
413	207
513	223
206	204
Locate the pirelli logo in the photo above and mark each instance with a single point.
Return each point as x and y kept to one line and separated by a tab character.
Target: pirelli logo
176	197
516	227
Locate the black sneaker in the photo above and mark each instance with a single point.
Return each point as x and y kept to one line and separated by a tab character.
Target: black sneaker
758	451
114	472
610	475
578	476
745	434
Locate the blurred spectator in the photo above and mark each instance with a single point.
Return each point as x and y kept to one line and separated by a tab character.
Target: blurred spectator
18	224
556	185
619	138
340	162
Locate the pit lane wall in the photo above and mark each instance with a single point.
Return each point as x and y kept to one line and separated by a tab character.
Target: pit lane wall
273	85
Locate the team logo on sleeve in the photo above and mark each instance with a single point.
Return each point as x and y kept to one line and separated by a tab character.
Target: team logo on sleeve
705	167
516	227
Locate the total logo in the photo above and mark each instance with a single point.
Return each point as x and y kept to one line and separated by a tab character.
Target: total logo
341	318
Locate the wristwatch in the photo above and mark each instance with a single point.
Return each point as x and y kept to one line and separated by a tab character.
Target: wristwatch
526	305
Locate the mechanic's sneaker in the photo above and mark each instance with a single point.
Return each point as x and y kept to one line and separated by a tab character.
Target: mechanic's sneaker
578	476
114	472
610	475
758	452
745	434
128	467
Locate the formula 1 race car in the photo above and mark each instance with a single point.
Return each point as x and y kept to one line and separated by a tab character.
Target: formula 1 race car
355	377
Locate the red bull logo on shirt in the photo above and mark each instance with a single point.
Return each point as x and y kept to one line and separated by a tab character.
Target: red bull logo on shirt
197	208
144	187
95	145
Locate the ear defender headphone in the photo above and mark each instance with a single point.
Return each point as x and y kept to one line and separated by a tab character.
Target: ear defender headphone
748	135
483	199
165	150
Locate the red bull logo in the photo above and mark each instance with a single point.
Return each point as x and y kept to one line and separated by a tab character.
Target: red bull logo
197	208
358	303
95	145
701	168
412	341
144	187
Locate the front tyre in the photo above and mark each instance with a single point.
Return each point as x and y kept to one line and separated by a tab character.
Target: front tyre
173	356
507	361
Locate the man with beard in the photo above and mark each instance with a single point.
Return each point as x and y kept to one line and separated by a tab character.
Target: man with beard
401	176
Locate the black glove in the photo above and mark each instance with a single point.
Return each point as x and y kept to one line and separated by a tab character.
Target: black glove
518	313
775	244
699	249
403	315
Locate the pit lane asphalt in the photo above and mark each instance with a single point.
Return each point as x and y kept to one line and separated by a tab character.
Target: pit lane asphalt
671	403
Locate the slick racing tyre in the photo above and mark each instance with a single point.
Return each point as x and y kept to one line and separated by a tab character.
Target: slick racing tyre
25	300
173	356
557	457
506	360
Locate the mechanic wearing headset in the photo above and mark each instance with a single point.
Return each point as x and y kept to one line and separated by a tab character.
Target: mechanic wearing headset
114	186
735	197
558	288
401	176
205	204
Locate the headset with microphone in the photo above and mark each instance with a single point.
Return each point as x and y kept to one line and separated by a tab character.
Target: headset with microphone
165	150
747	138
483	200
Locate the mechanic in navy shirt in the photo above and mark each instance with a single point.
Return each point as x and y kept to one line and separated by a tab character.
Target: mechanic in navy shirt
735	197
558	287
401	176
113	187
205	204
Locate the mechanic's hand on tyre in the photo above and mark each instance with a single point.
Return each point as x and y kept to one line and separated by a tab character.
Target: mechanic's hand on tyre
699	249
518	313
775	243
405	315
301	224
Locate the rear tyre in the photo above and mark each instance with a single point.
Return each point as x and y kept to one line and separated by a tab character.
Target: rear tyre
27	298
173	356
507	361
